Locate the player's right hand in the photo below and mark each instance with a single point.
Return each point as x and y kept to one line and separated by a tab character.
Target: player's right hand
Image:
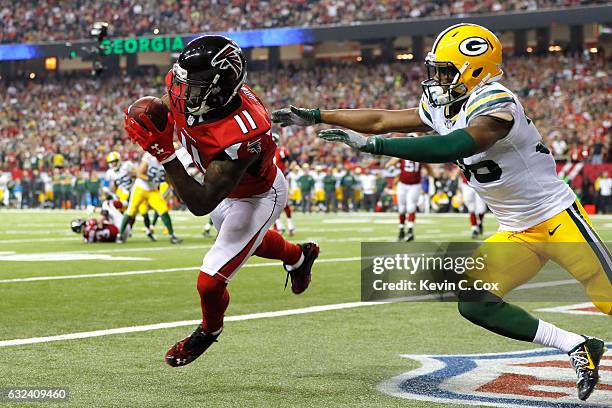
158	142
296	116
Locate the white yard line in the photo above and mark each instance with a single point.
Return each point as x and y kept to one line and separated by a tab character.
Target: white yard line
250	316
149	271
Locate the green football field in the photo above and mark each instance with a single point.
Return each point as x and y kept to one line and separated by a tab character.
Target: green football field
318	357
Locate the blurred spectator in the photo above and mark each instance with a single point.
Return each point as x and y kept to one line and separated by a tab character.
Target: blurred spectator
53	20
369	188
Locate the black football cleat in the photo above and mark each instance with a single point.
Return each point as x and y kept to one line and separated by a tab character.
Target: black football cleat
300	277
401	235
475	234
409	235
190	348
151	236
585	360
480	228
175	240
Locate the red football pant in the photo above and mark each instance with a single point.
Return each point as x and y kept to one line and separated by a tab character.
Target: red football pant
214	299
402	218
288	211
411	217
274	246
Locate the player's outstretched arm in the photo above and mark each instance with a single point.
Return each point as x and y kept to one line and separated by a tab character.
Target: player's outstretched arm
359	120
221	177
482	133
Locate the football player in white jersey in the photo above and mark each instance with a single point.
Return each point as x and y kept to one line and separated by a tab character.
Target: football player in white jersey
150	174
481	125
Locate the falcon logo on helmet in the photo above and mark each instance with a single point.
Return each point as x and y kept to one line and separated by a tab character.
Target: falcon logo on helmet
229	58
463	58
207	75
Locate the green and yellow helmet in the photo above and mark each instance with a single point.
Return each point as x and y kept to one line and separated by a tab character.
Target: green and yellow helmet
113	159
463	58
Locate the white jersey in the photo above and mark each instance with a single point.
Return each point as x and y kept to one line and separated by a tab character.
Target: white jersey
155	173
122	177
516	177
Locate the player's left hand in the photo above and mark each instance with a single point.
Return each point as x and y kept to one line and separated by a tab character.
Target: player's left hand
158	142
349	137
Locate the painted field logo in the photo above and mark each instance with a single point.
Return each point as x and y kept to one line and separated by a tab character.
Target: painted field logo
536	378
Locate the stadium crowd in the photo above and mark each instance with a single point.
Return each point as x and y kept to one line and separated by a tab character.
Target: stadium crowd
54	136
53	20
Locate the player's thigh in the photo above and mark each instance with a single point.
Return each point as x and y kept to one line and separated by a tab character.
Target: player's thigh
480	206
244	224
123	195
157	202
508	263
579	249
137	197
412	197
401	197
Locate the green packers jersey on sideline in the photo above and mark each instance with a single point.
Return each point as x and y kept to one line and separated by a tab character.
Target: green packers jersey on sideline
122	177
517	176
155	172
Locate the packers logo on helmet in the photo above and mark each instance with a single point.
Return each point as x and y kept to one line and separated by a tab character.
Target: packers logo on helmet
463	58
113	159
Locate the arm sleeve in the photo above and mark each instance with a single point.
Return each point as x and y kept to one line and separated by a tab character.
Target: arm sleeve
427	149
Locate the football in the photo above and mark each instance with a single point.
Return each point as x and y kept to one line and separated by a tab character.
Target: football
151	106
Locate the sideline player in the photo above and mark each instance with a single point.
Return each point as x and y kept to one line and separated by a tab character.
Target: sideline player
149	175
475	205
281	156
482	126
408	190
226	128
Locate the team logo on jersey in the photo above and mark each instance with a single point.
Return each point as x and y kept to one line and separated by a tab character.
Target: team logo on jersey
534	378
229	58
254	147
473	46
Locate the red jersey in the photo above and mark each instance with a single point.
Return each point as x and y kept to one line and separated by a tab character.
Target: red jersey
410	172
244	132
93	233
280	157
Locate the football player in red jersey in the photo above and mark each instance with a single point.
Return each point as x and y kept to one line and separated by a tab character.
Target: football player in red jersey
280	158
104	228
408	193
227	131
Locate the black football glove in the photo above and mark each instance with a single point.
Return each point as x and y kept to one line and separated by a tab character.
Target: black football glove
296	116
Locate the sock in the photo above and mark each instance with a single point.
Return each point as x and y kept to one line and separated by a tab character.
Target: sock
550	335
274	246
402	218
290	223
501	318
481	217
214	299
278	225
124	223
165	217
207	227
473	220
411	217
147	221
155	218
288	211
